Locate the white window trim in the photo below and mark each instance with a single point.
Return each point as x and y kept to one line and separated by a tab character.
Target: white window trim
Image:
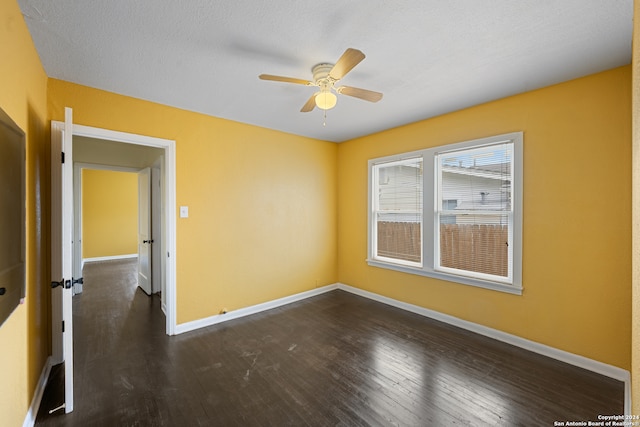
429	231
373	213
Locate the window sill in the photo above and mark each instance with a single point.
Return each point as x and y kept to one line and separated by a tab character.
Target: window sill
494	286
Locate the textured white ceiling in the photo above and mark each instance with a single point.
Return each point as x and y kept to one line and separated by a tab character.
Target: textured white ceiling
428	57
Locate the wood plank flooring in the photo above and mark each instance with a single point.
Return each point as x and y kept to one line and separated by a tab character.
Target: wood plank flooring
332	360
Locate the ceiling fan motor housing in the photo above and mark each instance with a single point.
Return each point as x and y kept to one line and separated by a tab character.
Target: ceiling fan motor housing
321	74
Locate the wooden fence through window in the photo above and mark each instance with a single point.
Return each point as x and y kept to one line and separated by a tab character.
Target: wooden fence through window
473	247
399	240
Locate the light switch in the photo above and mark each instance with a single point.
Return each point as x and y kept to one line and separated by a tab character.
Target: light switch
184	211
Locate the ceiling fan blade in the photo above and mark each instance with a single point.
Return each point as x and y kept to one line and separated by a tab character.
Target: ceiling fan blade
349	59
309	105
367	95
285	79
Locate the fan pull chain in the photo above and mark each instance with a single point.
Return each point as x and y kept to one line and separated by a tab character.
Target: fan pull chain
324	122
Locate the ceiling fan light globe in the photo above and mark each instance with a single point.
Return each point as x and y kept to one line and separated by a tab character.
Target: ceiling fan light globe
326	100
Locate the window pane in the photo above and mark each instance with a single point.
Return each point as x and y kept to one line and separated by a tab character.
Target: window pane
474	210
398	210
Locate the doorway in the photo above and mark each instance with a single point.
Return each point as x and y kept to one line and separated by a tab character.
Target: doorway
106	146
100	148
108	215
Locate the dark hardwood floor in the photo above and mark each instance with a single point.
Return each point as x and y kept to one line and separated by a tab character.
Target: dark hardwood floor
332	360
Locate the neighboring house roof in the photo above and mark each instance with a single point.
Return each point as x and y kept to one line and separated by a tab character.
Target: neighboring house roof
492	171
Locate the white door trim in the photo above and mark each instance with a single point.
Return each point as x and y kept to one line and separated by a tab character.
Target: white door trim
169	243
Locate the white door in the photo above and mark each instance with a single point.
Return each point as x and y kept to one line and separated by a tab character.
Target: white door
144	230
62	250
156	227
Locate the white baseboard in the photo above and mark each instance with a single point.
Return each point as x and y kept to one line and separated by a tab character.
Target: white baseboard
30	419
545	350
109	258
247	311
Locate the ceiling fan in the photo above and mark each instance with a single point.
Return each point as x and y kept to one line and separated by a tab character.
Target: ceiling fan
325	76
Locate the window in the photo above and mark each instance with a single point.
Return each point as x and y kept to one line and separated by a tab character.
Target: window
452	212
473	238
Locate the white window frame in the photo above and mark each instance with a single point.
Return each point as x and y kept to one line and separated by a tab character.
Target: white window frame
430	227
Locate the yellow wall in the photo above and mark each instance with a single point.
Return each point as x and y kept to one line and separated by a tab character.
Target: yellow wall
635	351
109	213
262	204
577	216
24	337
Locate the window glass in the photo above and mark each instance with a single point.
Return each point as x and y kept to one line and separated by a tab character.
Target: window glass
398	211
474	216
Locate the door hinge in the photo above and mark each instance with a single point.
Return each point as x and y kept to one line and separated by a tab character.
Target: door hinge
62	156
63	326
